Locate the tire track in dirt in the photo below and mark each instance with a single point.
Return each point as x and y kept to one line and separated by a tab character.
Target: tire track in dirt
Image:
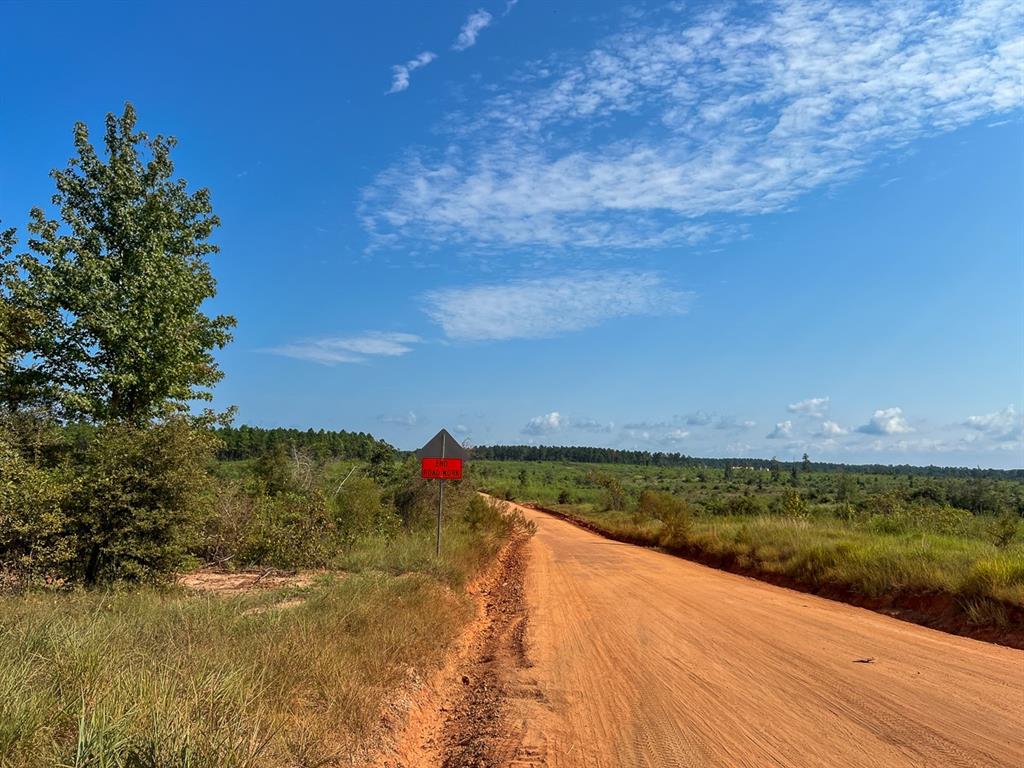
476	732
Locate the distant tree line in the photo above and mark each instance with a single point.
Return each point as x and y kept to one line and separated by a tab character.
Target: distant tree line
247	442
592	455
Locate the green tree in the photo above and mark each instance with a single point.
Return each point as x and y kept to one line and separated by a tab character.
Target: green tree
16	325
805	464
117	284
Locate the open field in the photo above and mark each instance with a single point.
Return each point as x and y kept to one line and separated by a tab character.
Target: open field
880	540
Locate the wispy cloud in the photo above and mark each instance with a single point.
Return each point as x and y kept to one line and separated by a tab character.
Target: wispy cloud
783	430
409	419
349	349
475	23
812	406
886	421
509	5
543	307
661	132
400	72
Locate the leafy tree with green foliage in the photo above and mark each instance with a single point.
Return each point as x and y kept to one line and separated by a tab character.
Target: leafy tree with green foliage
102	323
382	469
118	283
805	463
17	323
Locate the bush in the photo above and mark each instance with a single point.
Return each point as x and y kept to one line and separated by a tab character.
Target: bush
289	530
33	526
746	506
141	500
674	514
477	513
793	505
614	493
1003	530
137	503
359	510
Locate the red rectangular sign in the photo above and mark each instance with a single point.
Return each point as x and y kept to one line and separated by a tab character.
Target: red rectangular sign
441	469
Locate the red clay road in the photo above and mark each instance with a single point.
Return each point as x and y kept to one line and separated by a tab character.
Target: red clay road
637	658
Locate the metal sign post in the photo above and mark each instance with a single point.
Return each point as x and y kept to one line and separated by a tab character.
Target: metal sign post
440	512
441	458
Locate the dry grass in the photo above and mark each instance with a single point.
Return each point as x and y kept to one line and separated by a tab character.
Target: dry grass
168	678
820	551
296	675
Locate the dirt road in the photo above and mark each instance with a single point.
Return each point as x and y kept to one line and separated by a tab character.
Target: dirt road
635	658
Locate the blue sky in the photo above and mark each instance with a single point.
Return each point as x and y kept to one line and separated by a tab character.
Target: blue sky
746	230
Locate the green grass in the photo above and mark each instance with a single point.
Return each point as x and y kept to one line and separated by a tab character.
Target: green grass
164	678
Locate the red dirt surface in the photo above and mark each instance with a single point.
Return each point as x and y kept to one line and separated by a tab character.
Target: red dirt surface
598	654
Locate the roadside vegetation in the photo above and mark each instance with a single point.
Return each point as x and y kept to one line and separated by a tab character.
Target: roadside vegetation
113	484
850	533
159	675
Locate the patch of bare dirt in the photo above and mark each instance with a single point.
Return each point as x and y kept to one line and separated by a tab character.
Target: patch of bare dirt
240	582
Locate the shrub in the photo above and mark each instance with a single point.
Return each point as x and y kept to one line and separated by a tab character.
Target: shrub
1003	530
141	500
564	497
289	530
137	504
614	493
33	525
674	514
747	506
477	513
793	504
359	510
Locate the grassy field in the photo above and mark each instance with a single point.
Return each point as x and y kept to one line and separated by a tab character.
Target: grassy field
866	535
162	676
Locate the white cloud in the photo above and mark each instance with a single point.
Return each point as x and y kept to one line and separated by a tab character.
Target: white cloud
664	129
784	429
1006	424
400	72
409	419
830	428
553	422
886	421
349	349
509	5
814	406
550	306
475	23
544	425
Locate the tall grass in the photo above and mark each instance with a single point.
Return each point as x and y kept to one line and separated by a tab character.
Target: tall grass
164	678
821	551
